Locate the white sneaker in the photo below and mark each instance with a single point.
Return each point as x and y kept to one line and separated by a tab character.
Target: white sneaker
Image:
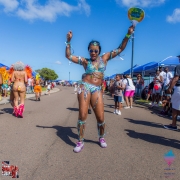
119	113
150	103
79	147
131	107
127	107
160	102
115	111
102	142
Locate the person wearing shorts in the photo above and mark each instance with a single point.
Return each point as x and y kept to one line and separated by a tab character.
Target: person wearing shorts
118	94
150	89
48	88
129	92
175	99
158	80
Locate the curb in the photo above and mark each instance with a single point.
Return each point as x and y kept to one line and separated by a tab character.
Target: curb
55	90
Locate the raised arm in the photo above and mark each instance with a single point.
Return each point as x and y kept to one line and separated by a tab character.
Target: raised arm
121	47
75	59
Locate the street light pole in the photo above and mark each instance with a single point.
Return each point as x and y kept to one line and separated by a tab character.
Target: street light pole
132	58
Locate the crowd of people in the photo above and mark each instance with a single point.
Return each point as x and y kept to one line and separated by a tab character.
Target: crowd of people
160	92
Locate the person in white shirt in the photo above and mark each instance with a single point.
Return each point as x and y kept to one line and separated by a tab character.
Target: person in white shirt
163	74
48	88
157	89
29	86
168	76
129	92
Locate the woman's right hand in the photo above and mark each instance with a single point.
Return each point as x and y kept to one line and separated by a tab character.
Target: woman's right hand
69	36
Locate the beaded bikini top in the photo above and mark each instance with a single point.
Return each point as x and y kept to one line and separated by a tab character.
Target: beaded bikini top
101	67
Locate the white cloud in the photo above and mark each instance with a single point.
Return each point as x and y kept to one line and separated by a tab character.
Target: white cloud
85	7
140	3
9	5
58	62
175	17
32	9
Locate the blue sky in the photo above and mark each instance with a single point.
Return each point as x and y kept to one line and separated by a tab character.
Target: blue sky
34	32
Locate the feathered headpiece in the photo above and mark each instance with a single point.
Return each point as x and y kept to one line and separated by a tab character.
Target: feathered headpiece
38	76
19	66
5	75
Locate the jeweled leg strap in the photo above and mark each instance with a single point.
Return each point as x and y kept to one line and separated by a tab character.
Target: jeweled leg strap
81	128
96	100
101	129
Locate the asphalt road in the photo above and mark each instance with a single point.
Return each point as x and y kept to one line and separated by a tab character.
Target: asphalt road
41	144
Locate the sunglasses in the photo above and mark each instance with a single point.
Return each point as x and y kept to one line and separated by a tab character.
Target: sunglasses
91	51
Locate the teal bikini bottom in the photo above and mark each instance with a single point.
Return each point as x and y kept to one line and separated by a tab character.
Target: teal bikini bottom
88	88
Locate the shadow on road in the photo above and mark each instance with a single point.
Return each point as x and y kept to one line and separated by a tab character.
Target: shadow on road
32	99
7	110
145	123
154	139
73	109
109	105
65	133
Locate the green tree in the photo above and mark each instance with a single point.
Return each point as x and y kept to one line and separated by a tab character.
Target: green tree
47	74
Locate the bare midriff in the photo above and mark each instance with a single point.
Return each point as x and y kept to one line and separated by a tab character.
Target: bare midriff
95	79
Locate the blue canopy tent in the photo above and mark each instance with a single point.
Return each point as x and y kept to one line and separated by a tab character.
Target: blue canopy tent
169	62
141	69
2	65
129	70
112	76
34	74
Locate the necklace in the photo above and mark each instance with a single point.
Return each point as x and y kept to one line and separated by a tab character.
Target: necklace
96	64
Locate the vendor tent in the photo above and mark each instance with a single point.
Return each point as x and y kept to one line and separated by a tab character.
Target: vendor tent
140	69
169	62
129	70
2	65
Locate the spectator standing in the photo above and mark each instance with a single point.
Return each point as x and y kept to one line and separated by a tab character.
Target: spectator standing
75	89
139	85
118	94
32	84
150	90
29	85
129	91
48	88
175	100
163	74
167	78
158	80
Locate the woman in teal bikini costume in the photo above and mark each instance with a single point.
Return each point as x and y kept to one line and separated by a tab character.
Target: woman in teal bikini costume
90	87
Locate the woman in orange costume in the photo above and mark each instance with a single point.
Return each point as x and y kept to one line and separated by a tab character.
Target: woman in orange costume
37	88
19	77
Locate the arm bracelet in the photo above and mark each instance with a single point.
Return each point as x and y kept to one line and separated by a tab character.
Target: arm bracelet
128	36
68	43
79	60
